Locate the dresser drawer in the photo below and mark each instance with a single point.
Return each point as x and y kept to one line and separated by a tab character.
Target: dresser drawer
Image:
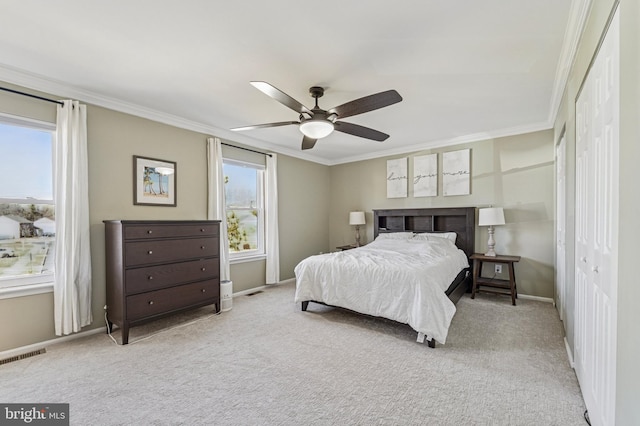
160	301
137	232
151	252
155	277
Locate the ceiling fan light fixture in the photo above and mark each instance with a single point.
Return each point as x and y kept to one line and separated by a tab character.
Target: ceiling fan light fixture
316	129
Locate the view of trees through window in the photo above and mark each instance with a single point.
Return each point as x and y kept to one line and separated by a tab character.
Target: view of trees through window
27	212
244	206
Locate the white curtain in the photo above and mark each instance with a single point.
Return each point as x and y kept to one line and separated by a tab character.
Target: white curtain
216	208
271	221
72	287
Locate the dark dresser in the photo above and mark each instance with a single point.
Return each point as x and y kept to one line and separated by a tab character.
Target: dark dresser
155	268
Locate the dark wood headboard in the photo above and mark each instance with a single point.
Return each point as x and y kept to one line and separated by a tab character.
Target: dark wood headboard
461	220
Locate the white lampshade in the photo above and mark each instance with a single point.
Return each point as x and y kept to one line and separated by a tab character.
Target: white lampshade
356	218
491	216
316	129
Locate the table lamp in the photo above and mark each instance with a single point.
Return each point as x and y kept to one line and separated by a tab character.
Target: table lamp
357	219
489	217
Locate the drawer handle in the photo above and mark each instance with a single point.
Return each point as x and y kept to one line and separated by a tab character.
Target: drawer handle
150	277
150	252
204	291
203	269
202	247
151	302
149	231
201	229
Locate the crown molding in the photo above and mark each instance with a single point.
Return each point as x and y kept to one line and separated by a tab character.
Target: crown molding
578	15
443	143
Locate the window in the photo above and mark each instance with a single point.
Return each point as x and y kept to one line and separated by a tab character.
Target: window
244	195
27	212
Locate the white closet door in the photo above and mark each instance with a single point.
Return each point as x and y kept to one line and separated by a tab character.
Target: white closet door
561	213
597	140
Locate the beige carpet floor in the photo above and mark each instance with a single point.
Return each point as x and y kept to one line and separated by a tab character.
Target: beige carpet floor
266	362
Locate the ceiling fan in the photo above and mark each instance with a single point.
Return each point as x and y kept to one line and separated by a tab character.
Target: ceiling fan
317	123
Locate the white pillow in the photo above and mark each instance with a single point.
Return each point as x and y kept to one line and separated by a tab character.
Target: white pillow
451	236
394	236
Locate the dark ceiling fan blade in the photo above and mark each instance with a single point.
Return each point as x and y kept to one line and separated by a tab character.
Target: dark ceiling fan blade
357	130
366	104
308	143
261	126
281	97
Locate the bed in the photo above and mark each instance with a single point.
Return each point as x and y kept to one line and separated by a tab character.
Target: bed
412	272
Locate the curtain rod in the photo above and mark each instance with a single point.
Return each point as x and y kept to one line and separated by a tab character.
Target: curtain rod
247	149
31	96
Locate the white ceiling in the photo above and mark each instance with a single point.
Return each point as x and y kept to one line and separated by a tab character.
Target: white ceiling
467	70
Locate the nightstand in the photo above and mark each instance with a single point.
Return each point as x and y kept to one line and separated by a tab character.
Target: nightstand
347	247
494	284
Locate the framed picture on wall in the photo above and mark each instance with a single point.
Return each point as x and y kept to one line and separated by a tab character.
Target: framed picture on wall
154	182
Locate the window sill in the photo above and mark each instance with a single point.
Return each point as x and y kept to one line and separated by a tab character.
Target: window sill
25	290
245	259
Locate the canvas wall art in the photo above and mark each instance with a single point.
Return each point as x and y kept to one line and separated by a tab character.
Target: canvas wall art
397	178
425	175
456	172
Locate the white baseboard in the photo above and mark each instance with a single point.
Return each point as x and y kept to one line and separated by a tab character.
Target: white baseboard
35	346
254	289
569	353
538	298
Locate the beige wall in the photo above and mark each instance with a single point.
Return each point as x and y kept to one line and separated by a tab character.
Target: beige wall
26	320
628	353
513	172
304	200
113	139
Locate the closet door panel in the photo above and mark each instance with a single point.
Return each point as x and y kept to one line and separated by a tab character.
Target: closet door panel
597	140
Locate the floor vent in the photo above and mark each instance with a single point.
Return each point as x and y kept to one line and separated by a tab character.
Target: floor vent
23	356
255	292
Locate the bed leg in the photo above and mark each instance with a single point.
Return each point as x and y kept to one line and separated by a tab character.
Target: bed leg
304	305
430	342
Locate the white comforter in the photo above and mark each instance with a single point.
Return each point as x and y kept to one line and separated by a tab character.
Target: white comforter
402	280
